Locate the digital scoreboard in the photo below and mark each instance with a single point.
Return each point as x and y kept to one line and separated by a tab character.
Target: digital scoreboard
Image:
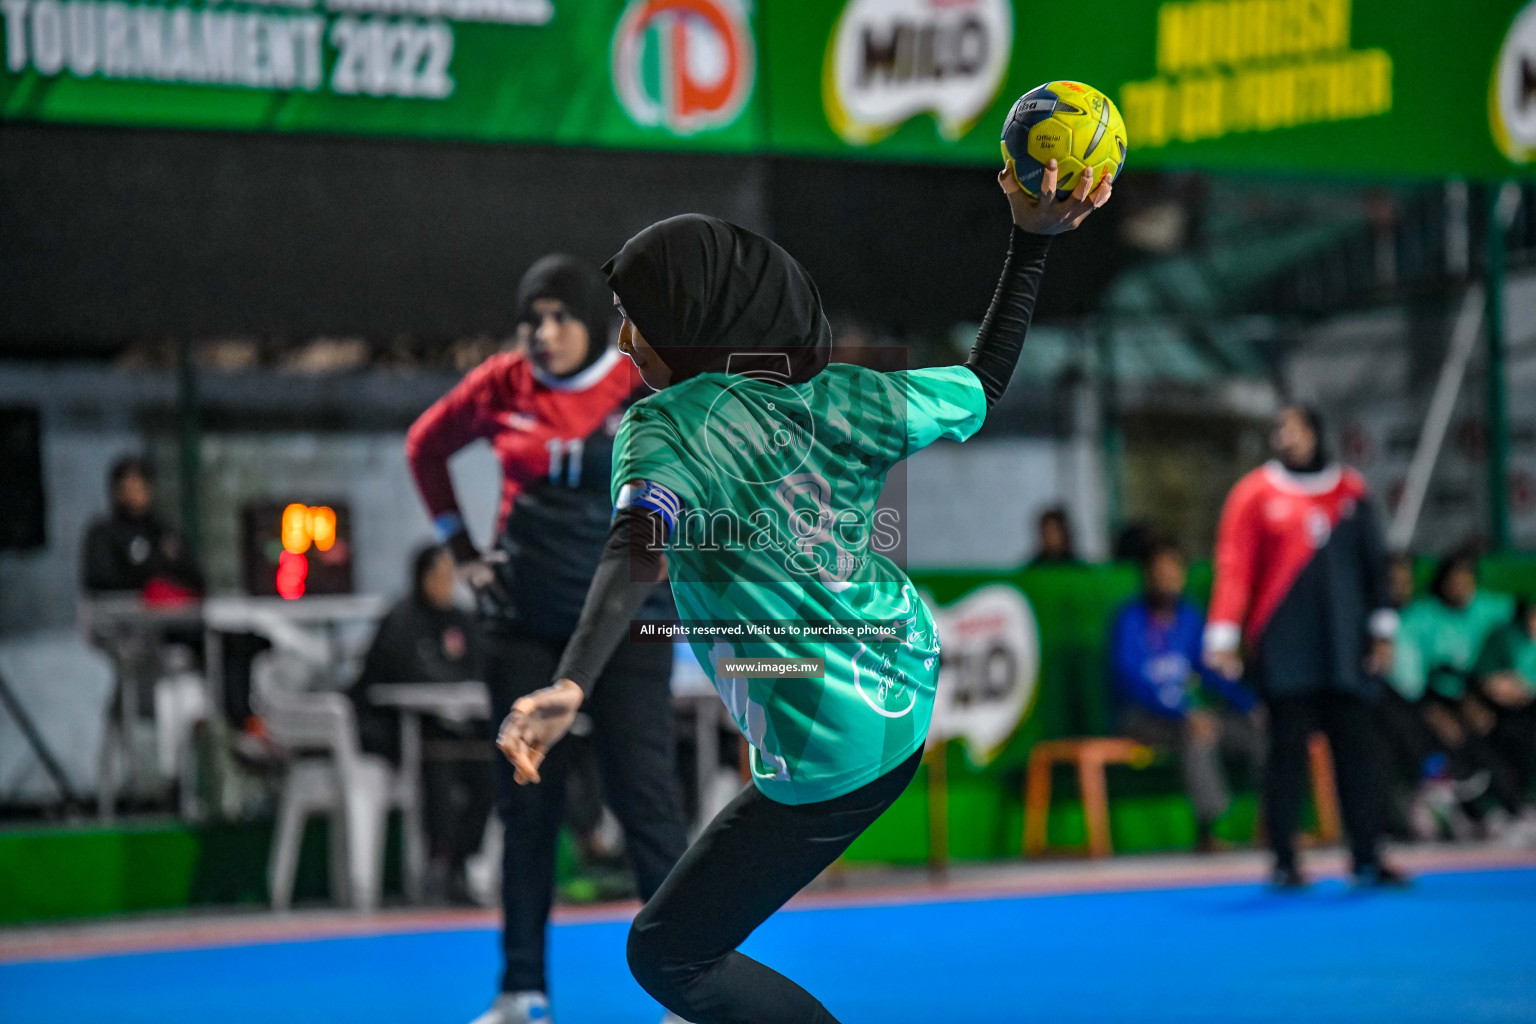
294	548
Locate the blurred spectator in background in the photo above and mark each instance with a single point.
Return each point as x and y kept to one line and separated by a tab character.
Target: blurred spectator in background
1503	709
1167	699
1433	779
130	553
1436	671
1053	539
1401	586
1301	596
130	550
1135	541
1444	631
427	638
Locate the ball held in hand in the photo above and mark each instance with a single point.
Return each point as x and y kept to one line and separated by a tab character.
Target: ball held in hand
1072	122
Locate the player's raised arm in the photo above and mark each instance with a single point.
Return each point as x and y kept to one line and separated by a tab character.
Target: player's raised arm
1001	337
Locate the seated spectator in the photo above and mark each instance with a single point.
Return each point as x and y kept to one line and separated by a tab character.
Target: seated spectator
1134	541
1501	709
130	550
1166	697
1053	542
426	638
1434	675
1443	632
1400	582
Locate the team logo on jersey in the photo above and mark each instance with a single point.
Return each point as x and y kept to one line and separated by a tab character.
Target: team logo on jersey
758	441
1319	527
887	691
891	60
683	65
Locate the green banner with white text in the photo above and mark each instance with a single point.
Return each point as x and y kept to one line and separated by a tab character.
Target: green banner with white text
597	72
1370	88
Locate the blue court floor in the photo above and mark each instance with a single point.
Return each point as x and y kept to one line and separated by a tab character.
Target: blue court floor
1460	948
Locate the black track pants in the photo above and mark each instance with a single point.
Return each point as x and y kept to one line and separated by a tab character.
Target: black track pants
1351	727
749	861
631	712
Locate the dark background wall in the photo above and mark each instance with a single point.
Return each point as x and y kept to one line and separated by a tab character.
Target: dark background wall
109	236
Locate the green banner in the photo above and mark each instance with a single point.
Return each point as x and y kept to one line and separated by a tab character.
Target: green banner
1377	88
1380	88
642	74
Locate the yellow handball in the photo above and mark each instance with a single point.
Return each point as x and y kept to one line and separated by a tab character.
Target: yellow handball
1074	123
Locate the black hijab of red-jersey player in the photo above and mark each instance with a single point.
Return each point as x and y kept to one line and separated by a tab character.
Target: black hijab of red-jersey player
712	296
584	292
1313	418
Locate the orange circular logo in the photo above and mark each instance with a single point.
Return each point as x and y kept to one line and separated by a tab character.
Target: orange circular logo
683	65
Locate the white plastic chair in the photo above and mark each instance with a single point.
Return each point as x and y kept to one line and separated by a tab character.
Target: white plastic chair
330	775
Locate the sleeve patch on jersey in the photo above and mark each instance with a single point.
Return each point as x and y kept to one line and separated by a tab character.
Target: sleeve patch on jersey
649	494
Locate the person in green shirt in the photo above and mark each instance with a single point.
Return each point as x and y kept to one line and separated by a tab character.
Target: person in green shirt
1442	633
1434	672
753	475
1501	708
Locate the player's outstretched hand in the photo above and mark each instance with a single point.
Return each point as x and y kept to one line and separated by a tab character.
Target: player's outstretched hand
535	724
1049	215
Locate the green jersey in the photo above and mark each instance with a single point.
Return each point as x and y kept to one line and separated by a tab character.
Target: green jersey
1510	649
778	530
1437	645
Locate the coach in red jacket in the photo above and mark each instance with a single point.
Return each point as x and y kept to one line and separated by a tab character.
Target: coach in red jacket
1301	600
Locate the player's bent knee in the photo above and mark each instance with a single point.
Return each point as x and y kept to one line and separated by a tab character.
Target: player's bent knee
645	952
660	962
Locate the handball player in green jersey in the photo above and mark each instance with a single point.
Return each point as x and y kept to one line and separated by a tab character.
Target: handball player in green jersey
751	479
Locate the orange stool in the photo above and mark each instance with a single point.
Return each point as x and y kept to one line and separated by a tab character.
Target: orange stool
1325	795
1090	755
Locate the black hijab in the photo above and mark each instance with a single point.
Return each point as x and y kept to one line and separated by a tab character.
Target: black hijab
583	291
1313	418
711	296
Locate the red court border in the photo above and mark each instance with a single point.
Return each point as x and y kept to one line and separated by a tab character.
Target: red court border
120	937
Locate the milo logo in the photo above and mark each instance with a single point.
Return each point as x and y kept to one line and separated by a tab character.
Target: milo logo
891	60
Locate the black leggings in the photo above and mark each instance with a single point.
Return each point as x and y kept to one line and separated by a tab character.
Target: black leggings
631	712
1350	725
748	862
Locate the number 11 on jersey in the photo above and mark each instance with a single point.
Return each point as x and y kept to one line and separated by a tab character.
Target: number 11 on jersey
565	459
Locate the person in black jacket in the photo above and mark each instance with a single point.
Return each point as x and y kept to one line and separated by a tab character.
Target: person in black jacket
129	548
426	638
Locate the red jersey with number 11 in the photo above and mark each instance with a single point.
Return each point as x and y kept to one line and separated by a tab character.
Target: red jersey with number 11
554	439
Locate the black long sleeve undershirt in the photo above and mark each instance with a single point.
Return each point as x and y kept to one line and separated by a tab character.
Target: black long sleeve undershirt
1001	338
632	563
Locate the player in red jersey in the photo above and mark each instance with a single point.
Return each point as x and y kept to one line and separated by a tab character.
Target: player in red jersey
550	416
1301	601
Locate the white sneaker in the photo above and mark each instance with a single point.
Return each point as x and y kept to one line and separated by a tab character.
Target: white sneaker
517	1008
